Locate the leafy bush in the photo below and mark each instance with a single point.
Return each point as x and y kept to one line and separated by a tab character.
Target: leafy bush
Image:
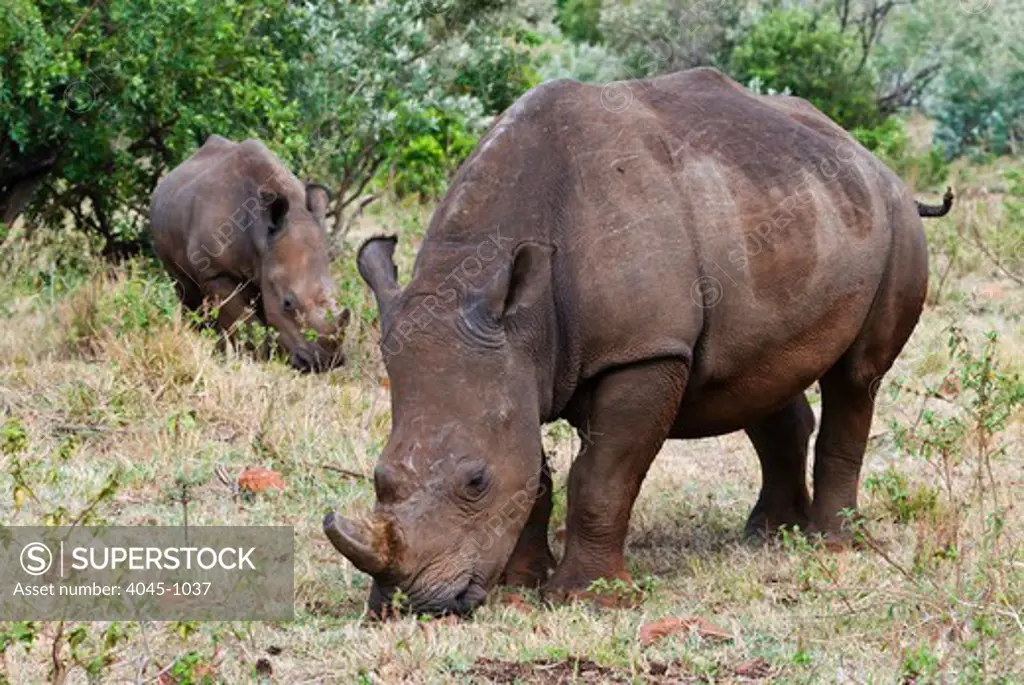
807	55
581	61
99	101
424	165
982	110
660	36
498	70
377	71
891	143
1008	244
903	502
580	19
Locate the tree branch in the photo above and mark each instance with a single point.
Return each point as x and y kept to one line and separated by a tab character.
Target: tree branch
78	24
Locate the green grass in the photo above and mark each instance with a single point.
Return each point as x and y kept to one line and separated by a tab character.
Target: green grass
111	403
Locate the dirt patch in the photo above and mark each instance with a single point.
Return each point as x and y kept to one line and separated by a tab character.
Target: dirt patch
570	671
586	671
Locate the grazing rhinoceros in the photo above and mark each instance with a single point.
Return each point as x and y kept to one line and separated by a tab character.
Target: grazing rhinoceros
683	267
233	225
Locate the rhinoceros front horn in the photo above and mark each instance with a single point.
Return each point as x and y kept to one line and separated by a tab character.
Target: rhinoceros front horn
357	542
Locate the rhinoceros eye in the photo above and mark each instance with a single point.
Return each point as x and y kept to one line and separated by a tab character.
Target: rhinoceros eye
288	303
477	482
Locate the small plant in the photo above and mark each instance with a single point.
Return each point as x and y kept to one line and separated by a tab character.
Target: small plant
13	438
192	668
13	442
905	503
22	633
86	651
961	552
32	477
815	566
919	663
396	604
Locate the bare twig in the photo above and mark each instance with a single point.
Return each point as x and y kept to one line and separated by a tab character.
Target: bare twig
352	475
979	241
60	671
226	480
81	20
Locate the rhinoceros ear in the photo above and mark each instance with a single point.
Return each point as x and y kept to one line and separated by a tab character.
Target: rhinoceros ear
269	222
522	282
317	199
376	264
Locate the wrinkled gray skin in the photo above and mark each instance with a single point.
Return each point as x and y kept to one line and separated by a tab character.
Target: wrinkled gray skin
234	227
683	267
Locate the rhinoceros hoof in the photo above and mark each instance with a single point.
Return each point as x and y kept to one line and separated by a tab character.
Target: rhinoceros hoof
618	592
529	570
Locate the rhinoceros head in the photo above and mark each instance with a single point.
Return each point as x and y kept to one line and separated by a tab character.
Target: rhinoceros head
295	281
468	358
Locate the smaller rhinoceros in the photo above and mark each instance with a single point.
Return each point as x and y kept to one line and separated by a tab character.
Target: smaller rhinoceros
234	227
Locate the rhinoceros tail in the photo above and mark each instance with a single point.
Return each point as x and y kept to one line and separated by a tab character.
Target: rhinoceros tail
937	210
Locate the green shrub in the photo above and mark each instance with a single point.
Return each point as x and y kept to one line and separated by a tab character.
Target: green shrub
99	104
793	50
981	110
1008	243
498	69
900	500
138	302
888	140
423	166
580	19
661	36
891	143
581	61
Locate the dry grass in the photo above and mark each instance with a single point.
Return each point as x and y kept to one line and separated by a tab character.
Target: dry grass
112	385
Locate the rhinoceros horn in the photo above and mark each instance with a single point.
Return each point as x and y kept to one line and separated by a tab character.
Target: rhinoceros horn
358	542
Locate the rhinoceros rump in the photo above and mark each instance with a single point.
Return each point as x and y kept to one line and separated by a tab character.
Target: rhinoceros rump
232	225
680	267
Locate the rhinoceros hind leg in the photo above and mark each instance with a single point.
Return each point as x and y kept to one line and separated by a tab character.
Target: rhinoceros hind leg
847	408
629	414
781	443
532	560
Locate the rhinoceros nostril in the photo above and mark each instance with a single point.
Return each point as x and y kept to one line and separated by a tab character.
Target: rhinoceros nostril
301	361
467	600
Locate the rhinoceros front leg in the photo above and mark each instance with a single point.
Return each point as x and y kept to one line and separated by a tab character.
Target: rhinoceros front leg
531	560
631	411
235	312
781	443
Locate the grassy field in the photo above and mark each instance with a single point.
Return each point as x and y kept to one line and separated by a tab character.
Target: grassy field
112	407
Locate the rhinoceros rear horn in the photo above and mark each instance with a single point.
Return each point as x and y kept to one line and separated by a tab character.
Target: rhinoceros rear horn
377	267
357	542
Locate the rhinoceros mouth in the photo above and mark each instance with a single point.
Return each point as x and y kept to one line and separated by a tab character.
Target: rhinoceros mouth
469	595
306	361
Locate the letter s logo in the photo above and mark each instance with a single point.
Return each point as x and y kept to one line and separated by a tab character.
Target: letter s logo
36	558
